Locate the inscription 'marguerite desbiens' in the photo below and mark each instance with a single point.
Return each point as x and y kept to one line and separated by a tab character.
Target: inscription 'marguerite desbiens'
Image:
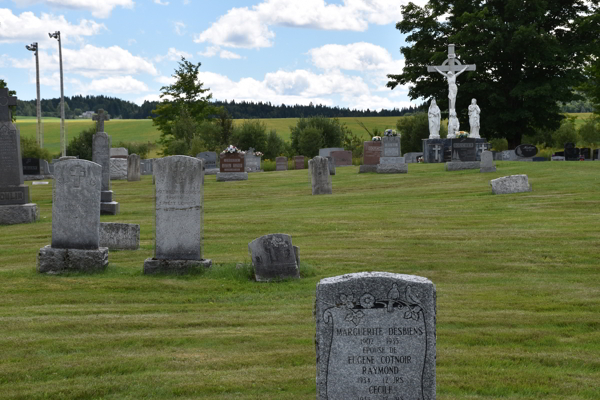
376	337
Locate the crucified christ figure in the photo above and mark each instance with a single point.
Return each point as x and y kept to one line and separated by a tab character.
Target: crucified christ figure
452	88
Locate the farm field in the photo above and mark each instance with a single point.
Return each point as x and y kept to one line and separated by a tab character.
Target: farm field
518	298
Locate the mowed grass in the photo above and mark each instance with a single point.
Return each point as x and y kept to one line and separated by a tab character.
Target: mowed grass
517	277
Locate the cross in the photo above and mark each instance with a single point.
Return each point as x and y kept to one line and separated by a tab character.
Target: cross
451	63
5	101
437	149
100	117
77	175
482	146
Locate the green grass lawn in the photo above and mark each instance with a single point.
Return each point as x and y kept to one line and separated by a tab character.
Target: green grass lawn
517	276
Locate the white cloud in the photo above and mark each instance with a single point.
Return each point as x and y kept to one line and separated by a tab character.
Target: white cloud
165	80
117	84
186	2
131	42
209	51
173	55
28	27
229	55
166	3
149	97
179	28
250	28
99	9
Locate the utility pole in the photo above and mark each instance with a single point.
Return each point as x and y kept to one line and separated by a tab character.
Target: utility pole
63	139
40	129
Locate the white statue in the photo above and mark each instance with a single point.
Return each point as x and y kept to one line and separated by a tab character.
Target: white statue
434	120
474	112
452	87
453	125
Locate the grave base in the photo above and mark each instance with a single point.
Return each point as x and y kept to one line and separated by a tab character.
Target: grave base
367	168
232	176
392	168
37	177
109	208
119	236
211	171
18	214
56	261
177	267
460	165
488	169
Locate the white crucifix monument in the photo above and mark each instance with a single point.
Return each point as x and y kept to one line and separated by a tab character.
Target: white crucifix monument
450	69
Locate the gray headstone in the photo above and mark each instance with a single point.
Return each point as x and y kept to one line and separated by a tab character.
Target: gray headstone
319	172
437	149
12	188
510	184
100	118
118	169
331	162
376	337
342	158
327	152
133	168
273	257
210	159
101	155
281	164
179	202
390	146
119	152
119	236
76	205
487	162
252	161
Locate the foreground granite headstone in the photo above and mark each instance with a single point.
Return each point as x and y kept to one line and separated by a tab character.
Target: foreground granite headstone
75	220
15	207
232	167
101	155
281	163
376	337
273	257
510	184
371	154
487	162
133	168
320	176
179	216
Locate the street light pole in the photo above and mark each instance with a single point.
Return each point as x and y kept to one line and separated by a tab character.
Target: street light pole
40	129
63	139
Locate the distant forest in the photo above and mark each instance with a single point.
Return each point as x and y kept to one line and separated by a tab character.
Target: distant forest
117	108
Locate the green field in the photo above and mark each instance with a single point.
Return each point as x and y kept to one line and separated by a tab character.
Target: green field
517	277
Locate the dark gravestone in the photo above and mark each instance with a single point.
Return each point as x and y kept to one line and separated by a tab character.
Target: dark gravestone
559	153
526	150
273	257
231	162
281	164
371	152
539	159
464	150
586	153
571	152
342	158
596	152
299	162
31	166
210	159
375	337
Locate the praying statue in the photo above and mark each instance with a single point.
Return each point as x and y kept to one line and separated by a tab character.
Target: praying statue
434	120
474	112
453	125
452	87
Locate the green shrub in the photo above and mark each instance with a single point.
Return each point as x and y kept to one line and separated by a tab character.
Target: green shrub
82	145
331	131
31	149
413	130
275	145
499	144
251	133
590	132
141	149
565	134
310	140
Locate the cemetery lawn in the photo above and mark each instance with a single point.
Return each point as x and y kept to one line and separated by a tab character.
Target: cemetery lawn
517	276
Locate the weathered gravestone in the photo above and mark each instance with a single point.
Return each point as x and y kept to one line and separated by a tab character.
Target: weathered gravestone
75	220
273	257
376	337
231	167
101	155
464	155
281	164
118	169
210	162
15	207
299	162
391	160
179	216
487	162
371	154
327	152
119	236
320	177
342	158
252	161
331	163
510	184
133	168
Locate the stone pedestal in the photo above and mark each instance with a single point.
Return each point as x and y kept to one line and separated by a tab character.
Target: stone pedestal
440	150
231	176
392	168
18	214
107	205
56	261
367	168
176	267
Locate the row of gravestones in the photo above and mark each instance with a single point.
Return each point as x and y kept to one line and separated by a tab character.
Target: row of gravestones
572	153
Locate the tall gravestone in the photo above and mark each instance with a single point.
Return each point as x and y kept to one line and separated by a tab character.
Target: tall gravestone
101	155
133	168
299	162
232	167
252	161
179	216
273	257
371	155
75	220
391	160
376	337
15	207
318	169
281	163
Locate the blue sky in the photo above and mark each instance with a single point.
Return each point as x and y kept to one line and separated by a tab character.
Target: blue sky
283	51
